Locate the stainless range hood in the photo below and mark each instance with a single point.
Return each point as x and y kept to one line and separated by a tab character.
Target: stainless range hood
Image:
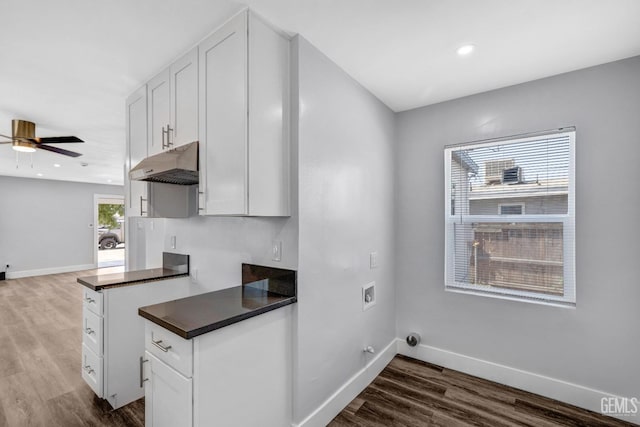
176	166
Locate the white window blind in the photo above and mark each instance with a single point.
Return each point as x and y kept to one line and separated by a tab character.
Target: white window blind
510	217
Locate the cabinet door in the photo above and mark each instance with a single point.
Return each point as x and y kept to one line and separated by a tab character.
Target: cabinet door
168	396
223	120
184	100
158	94
136	149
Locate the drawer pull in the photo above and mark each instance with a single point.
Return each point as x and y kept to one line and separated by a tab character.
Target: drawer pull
89	331
89	369
160	346
89	300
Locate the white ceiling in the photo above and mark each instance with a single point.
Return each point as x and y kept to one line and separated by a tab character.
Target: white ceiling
68	65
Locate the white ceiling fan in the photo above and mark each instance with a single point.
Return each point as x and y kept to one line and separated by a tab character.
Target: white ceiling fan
23	138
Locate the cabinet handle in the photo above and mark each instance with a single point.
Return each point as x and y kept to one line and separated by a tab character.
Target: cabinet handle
142	378
164	131
142	211
89	331
160	346
88	369
89	300
169	142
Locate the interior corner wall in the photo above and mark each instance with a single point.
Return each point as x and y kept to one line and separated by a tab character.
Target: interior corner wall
47	225
346	159
594	345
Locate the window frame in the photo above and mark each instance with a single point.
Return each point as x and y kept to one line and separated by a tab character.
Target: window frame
568	299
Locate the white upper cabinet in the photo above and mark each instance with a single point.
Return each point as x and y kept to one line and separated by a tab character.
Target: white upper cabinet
223	120
231	93
173	105
184	99
136	113
158	97
244	117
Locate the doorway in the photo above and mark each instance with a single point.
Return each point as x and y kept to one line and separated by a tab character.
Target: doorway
109	244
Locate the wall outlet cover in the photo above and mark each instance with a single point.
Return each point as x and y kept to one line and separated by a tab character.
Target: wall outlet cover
276	251
373	260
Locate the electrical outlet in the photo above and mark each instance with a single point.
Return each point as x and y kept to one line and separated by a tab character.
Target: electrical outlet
373	260
276	251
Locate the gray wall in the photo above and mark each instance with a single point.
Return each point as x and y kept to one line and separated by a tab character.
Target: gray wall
346	155
594	345
45	223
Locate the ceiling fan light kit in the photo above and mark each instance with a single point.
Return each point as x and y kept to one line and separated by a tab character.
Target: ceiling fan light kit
23	139
23	147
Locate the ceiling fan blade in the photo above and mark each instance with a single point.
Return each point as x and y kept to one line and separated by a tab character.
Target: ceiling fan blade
8	137
59	150
56	139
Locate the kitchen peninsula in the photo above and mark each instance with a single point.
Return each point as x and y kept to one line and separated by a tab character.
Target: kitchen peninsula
113	334
209	356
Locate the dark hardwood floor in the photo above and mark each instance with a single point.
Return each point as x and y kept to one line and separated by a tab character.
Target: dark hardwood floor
41	385
409	392
40	358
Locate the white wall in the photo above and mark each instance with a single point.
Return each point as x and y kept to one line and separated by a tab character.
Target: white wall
217	246
594	345
44	224
346	158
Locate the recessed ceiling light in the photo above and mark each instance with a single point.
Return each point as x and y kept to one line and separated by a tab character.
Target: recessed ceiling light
56	165
39	174
465	50
109	181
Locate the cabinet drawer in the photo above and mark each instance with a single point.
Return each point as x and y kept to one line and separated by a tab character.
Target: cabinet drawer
170	348
92	300
92	331
92	370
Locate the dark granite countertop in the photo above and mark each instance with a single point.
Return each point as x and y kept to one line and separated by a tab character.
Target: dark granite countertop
128	278
199	314
263	289
173	265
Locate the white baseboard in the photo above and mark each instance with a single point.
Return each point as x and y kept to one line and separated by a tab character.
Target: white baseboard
350	389
52	270
574	394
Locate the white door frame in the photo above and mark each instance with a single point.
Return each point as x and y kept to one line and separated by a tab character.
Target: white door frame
96	199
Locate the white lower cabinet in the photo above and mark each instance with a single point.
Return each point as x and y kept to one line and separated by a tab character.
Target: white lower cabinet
113	336
168	395
92	370
92	330
241	375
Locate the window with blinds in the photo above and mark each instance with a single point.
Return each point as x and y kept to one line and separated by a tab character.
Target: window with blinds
510	217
